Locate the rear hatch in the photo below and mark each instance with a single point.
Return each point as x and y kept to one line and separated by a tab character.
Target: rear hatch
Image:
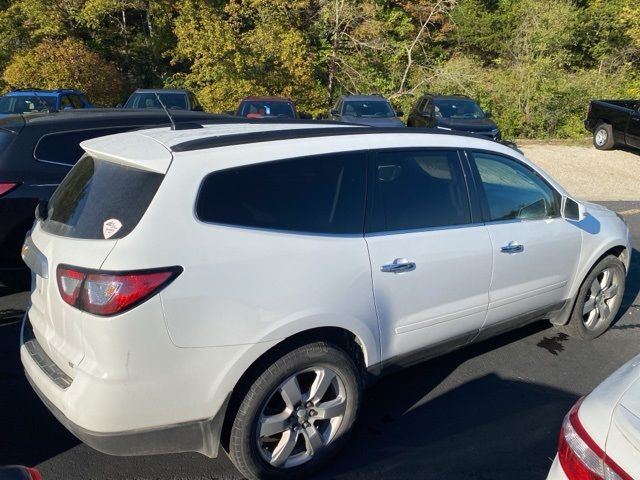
101	200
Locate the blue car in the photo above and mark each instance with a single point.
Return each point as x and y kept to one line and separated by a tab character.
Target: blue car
34	100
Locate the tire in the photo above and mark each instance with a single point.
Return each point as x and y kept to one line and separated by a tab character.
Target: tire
297	441
603	137
594	312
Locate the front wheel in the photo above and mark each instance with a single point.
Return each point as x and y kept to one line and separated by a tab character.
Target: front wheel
598	300
296	414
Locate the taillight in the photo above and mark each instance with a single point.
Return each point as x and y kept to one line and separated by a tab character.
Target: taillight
110	293
6	187
581	458
35	474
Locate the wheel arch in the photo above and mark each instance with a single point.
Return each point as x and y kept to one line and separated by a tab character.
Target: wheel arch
339	336
619	251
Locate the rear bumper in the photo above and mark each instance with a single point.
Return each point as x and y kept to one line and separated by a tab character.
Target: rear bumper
201	436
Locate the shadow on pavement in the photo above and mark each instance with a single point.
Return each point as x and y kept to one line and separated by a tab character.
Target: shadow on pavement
488	427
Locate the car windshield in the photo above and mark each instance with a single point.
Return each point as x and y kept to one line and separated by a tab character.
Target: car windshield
368	108
457	108
176	101
27	103
258	109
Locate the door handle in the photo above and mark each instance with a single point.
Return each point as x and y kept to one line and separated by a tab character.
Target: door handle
399	265
512	247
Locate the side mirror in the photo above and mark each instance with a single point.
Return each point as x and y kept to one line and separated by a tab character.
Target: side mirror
42	210
197	108
488	115
399	113
334	112
230	112
305	116
572	210
119	105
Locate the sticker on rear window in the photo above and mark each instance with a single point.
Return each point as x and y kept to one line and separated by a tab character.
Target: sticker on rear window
111	227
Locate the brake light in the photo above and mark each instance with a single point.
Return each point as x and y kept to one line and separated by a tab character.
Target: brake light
110	293
6	187
581	458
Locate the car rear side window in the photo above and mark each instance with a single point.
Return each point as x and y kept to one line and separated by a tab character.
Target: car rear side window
100	199
322	194
418	189
64	147
513	191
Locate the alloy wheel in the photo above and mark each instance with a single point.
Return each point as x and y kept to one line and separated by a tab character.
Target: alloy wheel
599	299
301	417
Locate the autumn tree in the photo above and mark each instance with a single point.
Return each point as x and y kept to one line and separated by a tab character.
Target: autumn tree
70	64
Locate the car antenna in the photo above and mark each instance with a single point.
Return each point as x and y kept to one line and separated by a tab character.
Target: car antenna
173	124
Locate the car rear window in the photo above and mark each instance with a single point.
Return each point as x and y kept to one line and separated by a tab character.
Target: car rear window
321	194
100	199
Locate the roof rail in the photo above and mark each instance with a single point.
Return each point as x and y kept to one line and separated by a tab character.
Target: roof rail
216	141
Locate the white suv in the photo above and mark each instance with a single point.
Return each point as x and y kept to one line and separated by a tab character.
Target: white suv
239	284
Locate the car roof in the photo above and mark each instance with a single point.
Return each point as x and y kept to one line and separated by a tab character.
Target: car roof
364	97
115	114
444	97
267	98
160	90
43	93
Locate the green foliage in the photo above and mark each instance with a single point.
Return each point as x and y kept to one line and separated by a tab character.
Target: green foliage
534	63
69	64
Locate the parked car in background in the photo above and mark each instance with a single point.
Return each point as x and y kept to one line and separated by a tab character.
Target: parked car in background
37	151
35	100
614	122
269	107
18	472
453	112
372	110
256	326
600	436
174	99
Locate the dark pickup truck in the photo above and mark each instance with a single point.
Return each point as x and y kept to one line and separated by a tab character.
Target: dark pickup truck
614	122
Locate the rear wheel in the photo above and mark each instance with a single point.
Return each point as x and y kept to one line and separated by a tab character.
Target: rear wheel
296	414
598	300
603	137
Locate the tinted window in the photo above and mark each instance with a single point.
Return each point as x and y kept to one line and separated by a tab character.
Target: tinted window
96	192
513	191
76	101
258	108
457	108
321	194
65	103
26	104
418	189
64	147
176	101
368	108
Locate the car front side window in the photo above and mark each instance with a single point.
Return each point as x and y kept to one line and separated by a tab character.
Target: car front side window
513	191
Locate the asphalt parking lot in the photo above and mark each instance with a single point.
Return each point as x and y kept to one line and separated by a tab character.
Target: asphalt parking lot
491	411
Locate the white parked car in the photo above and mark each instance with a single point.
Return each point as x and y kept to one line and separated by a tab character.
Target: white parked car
239	284
600	436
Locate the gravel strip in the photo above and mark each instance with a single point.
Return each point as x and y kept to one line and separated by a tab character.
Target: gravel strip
587	173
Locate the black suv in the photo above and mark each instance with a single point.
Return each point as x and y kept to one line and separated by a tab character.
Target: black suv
453	112
36	152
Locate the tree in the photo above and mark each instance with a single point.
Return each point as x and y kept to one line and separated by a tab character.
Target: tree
69	64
